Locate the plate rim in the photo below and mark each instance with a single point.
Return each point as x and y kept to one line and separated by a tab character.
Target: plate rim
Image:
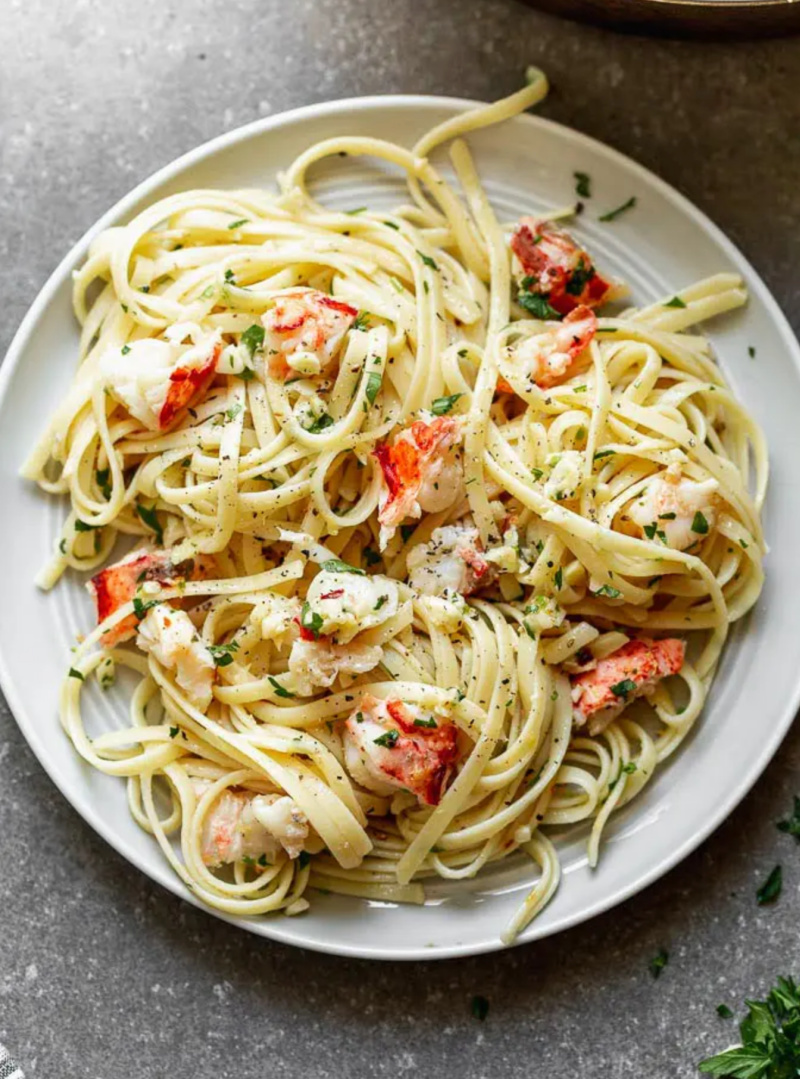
273	928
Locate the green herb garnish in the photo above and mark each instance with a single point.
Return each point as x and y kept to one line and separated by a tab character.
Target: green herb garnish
150	518
388	739
373	386
676	301
770	1036
320	424
253	338
279	689
613	214
771	888
479	1008
311	620
222	654
583	182
536	304
442	405
699	524
608	590
792	824
658	962
624	688
336	565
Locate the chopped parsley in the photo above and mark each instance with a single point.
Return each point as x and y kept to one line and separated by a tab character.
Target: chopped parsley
536	304
604	453
771	888
658	962
558	578
280	691
388	739
76	674
373	386
361	322
430	723
792	824
579	278
699	524
233	411
238	224
612	215
311	620
82	526
428	261
125	350
676	301
229	276
103	475
751	352
724	1012
336	565
770	1036
174	732
537	473
583	185
442	405
380	603
140	608
391	225
372	558
479	1008
222	654
652	530
320	424
253	338
608	590
150	518
624	688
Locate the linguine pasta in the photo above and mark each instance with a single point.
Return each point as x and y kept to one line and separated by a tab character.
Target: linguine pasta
418	510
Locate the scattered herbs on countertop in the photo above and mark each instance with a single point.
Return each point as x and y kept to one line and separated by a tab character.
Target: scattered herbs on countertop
770	1034
658	962
771	888
479	1008
792	824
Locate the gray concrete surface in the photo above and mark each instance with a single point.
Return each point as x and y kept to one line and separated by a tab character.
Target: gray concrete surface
105	976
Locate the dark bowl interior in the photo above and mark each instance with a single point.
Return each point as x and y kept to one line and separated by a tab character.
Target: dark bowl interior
698	18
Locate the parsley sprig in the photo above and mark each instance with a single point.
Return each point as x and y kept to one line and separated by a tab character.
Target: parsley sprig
792	824
770	1034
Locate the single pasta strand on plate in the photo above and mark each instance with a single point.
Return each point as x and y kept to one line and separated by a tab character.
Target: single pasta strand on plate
435	550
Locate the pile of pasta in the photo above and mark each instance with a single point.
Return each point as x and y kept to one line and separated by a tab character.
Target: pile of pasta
408	499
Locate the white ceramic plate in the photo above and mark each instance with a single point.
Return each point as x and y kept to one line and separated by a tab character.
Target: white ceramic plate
662	244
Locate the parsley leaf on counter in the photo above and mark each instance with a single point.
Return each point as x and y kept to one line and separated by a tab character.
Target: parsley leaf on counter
792	824
479	1008
770	1036
658	962
771	889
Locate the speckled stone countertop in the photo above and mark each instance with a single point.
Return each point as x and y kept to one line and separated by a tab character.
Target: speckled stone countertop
104	975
